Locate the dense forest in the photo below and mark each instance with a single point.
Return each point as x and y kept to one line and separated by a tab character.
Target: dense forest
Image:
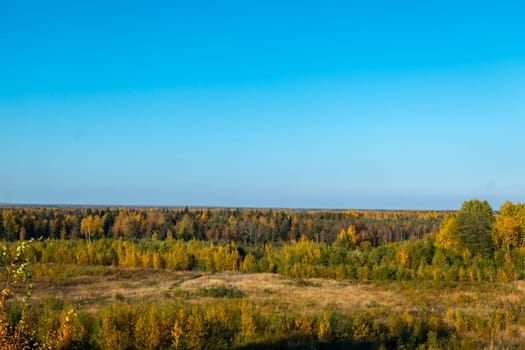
471	244
252	226
448	250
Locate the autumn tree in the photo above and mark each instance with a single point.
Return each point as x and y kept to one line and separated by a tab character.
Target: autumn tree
347	239
127	224
91	226
447	236
185	227
509	230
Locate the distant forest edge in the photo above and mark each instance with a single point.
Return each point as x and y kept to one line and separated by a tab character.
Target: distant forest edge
247	226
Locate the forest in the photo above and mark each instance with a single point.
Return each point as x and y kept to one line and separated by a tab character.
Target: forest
201	278
248	226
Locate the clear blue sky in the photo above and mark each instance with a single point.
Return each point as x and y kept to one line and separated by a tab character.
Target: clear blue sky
333	104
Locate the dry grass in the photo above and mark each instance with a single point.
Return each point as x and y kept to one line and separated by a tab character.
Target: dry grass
271	291
301	296
92	289
95	291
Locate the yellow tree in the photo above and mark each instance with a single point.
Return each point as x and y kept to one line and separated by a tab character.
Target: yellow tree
146	331
347	239
506	232
249	264
248	326
446	237
178	331
509	230
91	226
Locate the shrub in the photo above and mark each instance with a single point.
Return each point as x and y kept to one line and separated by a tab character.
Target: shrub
221	291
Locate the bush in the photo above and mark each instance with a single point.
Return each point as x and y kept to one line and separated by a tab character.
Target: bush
221	291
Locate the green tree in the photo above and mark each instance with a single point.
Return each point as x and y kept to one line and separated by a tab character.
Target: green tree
473	226
185	227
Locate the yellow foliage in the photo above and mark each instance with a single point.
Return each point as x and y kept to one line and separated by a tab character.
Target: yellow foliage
445	237
507	232
248	265
64	335
347	239
7	342
325	326
146	260
178	331
158	261
91	226
403	256
248	324
226	258
304	325
195	329
147	333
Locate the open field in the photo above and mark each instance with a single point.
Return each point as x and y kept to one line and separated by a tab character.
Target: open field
108	307
96	286
97	283
92	288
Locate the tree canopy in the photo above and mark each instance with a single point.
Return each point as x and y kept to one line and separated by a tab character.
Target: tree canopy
469	230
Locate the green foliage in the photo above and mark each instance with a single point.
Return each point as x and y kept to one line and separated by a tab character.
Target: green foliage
17	328
304	258
473	227
239	324
221	291
117	326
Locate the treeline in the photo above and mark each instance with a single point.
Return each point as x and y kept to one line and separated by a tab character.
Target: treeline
471	245
303	258
248	226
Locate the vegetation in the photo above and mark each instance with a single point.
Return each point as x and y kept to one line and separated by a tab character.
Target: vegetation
457	286
247	226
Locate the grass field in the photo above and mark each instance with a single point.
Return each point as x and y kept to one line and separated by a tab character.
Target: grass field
92	288
266	310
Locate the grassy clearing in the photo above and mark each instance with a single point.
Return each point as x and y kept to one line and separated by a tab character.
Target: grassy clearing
264	307
95	287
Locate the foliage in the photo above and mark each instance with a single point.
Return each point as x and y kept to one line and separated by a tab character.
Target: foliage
19	332
247	226
473	226
221	291
473	246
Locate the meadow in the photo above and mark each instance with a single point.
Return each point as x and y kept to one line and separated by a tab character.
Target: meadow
81	307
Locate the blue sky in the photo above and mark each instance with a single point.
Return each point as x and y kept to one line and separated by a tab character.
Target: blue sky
332	104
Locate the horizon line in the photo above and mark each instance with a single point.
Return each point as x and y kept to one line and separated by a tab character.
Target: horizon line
176	206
